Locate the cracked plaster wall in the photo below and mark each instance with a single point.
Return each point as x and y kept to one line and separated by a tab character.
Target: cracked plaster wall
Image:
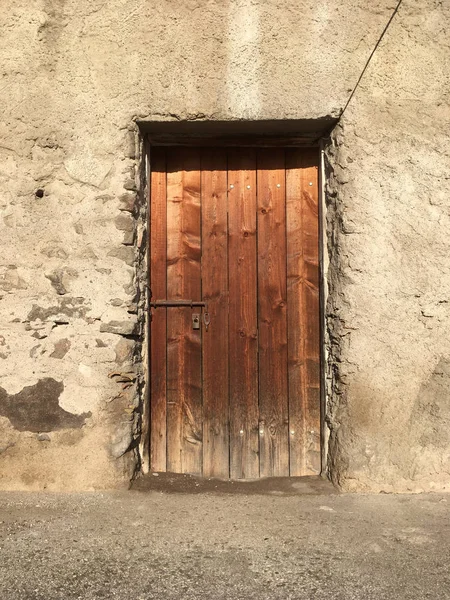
75	75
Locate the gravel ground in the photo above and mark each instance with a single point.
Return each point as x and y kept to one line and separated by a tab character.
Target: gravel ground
300	543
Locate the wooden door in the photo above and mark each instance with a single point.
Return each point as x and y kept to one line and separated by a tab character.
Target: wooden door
238	230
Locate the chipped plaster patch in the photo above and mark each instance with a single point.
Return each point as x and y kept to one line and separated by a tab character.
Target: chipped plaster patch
78	399
85	370
88	166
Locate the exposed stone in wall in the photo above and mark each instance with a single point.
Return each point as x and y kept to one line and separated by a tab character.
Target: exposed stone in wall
337	330
70	318
62	347
82	311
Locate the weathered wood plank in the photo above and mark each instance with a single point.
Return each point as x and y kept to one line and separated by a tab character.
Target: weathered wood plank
215	292
243	326
303	311
272	320
184	418
285	355
158	243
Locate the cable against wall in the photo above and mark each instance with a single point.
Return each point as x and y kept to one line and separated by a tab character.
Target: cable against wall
370	57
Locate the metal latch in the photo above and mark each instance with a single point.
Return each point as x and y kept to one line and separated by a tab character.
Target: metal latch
196	317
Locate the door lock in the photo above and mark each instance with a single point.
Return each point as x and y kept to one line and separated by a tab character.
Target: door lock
195	321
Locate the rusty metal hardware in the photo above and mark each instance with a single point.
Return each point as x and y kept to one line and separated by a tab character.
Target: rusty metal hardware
177	304
195	321
180	303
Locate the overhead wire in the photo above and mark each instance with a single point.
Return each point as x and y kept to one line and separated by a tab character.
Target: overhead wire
370	57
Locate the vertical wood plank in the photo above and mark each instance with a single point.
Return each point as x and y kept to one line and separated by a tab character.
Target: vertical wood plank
243	326
184	418
272	319
303	311
158	242
215	292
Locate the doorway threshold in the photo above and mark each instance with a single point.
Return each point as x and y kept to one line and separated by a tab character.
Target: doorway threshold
176	483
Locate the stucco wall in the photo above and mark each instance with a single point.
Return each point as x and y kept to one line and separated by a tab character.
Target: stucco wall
75	77
390	278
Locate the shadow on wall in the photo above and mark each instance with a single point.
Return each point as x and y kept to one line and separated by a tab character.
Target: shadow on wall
430	417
